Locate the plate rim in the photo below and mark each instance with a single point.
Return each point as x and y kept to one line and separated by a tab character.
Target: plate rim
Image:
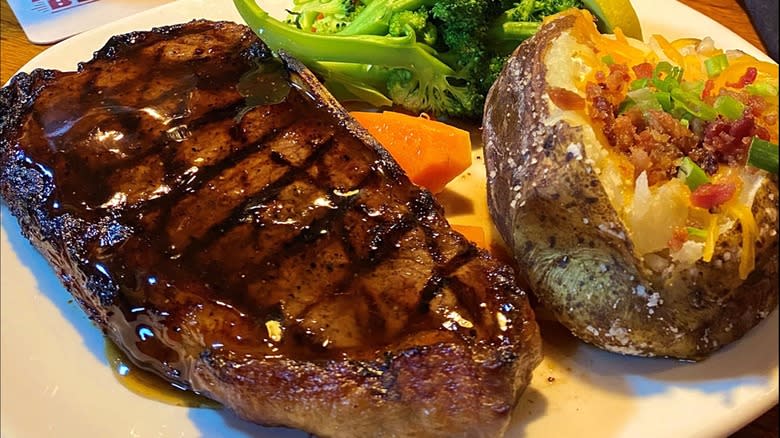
731	424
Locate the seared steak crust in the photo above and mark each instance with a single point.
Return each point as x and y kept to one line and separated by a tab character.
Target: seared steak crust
228	225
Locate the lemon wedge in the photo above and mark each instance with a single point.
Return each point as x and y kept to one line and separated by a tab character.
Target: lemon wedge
615	13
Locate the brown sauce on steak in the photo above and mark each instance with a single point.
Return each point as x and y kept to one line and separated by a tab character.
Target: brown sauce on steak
149	385
223	218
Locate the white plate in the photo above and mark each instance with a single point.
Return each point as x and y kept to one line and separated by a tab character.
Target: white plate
56	381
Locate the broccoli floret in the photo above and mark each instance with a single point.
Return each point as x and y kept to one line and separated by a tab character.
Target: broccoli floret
495	66
463	27
434	91
402	22
375	18
413	22
534	10
463	22
326	16
522	20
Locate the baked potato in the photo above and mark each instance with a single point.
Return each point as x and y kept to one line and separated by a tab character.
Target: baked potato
621	183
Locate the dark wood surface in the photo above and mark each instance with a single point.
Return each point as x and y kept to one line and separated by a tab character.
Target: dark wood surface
15	51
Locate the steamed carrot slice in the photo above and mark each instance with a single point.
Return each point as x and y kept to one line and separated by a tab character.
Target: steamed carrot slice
430	152
472	232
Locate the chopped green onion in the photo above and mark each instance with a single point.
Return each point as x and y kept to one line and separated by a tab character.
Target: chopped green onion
677	74
661	73
644	99
678	112
666	76
665	99
608	59
730	107
763	89
716	64
763	155
662	67
691	103
696	232
637	84
626	105
695	87
685	122
693	175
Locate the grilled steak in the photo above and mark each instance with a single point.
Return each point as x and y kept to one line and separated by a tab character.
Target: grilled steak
228	225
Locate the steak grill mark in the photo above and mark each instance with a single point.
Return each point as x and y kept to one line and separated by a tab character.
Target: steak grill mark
203	204
227	242
239	234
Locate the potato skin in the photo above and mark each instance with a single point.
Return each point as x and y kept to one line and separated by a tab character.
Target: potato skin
571	247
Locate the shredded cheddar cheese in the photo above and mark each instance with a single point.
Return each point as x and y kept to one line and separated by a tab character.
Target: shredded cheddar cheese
669	50
736	69
620	36
693	69
682	43
712	238
746	219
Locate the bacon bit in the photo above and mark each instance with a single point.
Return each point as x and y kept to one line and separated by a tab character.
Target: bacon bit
640	159
706	158
624	130
679	237
643	70
654	141
617	81
566	99
759	132
743	127
708	87
730	140
711	195
757	106
748	78
601	110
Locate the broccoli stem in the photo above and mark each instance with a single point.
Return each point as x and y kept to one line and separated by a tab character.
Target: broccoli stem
397	52
514	30
352	66
347	81
504	36
370	75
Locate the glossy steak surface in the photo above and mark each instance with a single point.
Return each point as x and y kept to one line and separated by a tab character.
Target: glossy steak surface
224	221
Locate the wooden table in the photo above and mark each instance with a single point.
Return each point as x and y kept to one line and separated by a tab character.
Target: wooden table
15	51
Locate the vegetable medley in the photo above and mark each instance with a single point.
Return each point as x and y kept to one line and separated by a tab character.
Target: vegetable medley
434	56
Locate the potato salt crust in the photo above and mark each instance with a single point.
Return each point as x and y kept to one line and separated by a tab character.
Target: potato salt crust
622	177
